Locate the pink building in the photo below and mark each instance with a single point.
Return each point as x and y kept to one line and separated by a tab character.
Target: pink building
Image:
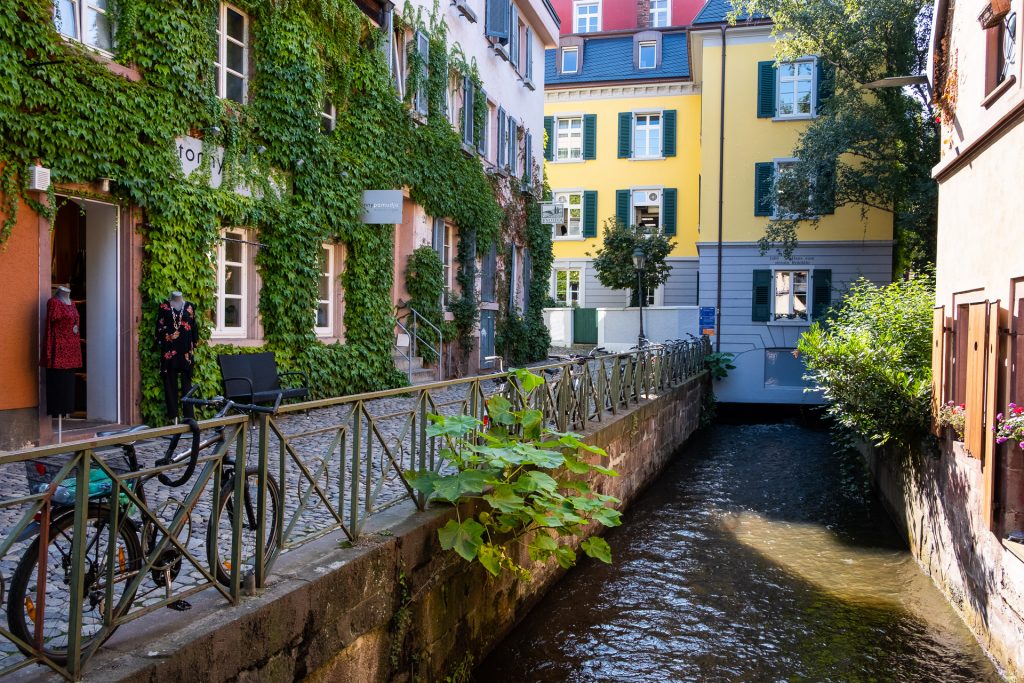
590	16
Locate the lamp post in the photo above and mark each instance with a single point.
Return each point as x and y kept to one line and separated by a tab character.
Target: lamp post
639	261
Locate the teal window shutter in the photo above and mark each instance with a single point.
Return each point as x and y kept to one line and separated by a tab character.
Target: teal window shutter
590	213
764	182
825	190
549	139
668	137
826	75
589	136
625	134
761	298
821	290
622	207
766	90
668	209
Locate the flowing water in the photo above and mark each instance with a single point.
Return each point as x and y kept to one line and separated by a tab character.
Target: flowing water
759	555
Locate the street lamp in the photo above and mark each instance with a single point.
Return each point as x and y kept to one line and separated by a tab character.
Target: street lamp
639	261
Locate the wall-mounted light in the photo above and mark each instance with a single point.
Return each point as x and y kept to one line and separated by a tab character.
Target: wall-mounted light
104	184
261	149
213	130
300	163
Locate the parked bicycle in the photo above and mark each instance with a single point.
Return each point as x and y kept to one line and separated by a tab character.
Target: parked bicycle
40	601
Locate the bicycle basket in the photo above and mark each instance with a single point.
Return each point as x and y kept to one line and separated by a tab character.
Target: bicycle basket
41	472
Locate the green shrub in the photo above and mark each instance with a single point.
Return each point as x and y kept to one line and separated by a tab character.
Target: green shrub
871	357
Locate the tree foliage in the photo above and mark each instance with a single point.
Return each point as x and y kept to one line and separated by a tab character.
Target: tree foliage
613	261
531	482
871	357
885	139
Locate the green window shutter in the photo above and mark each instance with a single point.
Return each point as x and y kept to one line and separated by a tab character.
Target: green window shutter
821	290
761	300
825	190
589	136
622	206
766	90
826	84
668	208
764	182
590	213
668	137
549	140
625	134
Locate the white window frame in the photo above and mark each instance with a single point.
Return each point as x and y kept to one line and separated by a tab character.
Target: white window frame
653	45
647	133
589	18
328	117
80	8
661	204
555	272
574	50
328	329
569	148
664	10
222	47
219	329
656	297
793	82
398	61
568	194
792	293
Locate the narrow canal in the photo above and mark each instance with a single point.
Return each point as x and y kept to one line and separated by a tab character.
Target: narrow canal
760	555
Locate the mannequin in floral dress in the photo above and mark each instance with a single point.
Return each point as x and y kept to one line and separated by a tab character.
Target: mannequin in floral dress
176	336
62	352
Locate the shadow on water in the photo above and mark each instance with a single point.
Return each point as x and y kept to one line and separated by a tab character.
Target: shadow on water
760	555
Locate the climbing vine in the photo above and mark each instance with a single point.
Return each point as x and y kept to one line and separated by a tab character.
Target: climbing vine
63	107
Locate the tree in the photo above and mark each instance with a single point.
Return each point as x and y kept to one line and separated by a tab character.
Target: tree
614	260
871	357
868	148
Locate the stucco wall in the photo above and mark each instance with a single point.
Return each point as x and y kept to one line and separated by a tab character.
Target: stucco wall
395	607
19	313
937	504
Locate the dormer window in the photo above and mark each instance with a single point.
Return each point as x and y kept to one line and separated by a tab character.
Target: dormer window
570	60
85	21
648	57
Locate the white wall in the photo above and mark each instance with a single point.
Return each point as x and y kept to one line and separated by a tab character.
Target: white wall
559	324
618	329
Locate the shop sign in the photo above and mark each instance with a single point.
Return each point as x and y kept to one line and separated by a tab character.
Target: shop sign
382	207
190	154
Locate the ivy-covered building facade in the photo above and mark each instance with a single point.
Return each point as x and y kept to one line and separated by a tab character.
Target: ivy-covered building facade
222	150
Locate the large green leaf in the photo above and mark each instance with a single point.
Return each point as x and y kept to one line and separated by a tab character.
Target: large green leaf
566	556
598	548
608	516
490	557
452	425
464	538
541	546
527	380
499	408
468	482
423	482
504	498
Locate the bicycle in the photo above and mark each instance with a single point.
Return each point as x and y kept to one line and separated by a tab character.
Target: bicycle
109	585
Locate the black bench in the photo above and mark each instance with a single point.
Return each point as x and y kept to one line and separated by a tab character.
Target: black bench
253	378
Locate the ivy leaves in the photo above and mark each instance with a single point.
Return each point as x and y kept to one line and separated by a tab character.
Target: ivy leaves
527	484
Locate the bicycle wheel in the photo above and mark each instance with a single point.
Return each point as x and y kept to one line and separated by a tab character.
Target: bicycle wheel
218	534
24	597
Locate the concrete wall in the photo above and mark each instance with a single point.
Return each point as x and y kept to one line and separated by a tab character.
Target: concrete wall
395	607
618	328
938	503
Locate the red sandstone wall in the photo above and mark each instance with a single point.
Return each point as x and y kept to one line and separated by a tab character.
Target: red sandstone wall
618	15
19	313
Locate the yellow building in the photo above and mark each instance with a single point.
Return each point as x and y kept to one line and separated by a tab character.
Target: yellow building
623	122
764	302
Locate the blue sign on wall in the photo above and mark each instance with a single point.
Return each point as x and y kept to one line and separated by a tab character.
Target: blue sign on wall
707	321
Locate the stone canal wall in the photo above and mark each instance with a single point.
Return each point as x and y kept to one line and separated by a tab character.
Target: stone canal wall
395	607
937	504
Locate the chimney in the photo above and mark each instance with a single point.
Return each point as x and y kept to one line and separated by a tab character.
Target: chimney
643	14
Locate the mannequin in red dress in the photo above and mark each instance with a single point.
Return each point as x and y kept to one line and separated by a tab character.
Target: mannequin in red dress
62	352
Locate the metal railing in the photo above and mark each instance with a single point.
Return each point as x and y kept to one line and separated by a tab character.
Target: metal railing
337	461
411	328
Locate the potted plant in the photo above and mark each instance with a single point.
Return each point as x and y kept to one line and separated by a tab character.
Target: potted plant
1010	426
953	416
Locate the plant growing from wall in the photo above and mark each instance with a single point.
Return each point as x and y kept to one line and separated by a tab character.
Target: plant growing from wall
719	364
424	280
613	261
530	481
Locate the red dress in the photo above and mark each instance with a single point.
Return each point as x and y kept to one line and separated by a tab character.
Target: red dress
62	348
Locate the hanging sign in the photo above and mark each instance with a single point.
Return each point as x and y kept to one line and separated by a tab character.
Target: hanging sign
707	321
382	207
190	156
552	214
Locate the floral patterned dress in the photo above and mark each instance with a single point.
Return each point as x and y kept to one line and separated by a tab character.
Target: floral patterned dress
177	336
62	349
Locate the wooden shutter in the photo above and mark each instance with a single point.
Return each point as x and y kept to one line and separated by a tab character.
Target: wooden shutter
668	133
549	139
589	136
423	49
590	213
826	75
513	34
529	54
668	210
528	157
625	134
764	182
766	90
993	361
496	21
622	207
513	145
821	292
938	362
467	110
974	431
481	135
487	268
761	296
502	145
